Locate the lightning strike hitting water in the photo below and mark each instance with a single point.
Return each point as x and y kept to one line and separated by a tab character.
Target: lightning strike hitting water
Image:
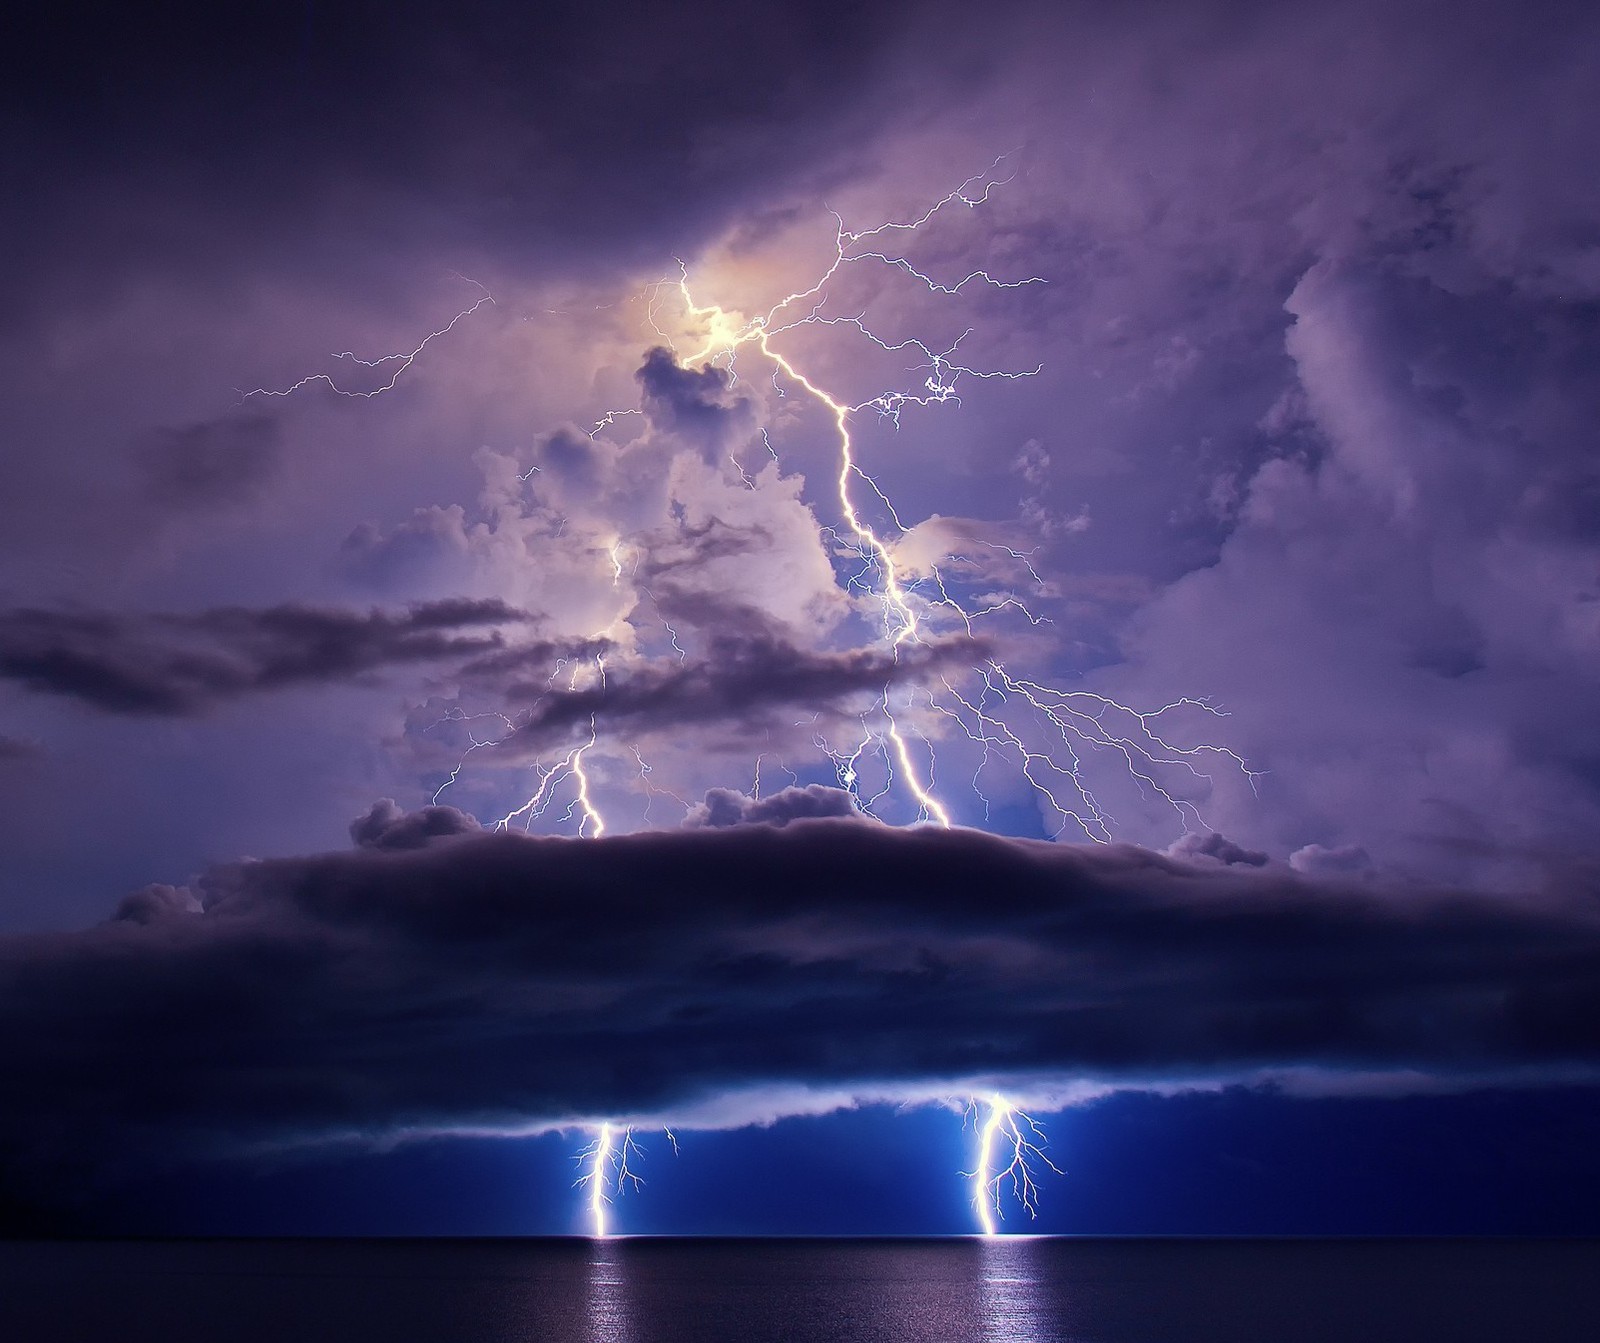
1007	1135
605	1165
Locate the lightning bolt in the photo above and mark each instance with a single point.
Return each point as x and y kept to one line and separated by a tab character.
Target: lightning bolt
651	791
1071	719
606	1164
400	361
724	337
571	766
1006	1135
1047	731
476	743
591	818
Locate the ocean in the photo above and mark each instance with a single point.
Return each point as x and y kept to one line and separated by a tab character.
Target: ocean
666	1290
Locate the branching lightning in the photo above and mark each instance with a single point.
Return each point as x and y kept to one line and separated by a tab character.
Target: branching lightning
592	825
1068	719
1010	1153
1046	732
398	363
604	1166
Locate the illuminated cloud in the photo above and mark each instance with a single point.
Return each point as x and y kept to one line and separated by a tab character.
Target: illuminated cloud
726	806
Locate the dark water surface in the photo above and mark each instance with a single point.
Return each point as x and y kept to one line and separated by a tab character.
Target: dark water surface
831	1291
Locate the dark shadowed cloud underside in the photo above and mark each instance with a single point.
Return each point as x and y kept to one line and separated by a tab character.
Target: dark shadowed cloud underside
438	978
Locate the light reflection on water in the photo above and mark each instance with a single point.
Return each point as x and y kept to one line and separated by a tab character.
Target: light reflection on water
1013	1302
648	1290
608	1294
1007	1290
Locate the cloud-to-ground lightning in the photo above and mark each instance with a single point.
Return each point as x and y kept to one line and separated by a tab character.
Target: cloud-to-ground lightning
1047	733
605	1165
1010	1153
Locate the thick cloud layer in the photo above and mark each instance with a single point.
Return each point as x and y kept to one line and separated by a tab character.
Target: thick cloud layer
495	980
265	122
184	664
740	680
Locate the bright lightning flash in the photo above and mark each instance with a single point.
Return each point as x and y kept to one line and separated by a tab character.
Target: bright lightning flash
592	825
1010	1136
725	334
1047	733
1068	720
606	1164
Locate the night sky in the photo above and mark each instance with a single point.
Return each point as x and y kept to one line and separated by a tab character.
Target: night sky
810	576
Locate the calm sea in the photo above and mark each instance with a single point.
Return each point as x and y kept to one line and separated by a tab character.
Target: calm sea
831	1291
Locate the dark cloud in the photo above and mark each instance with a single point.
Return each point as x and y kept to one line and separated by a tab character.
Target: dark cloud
697	404
506	980
223	461
681	575
740	679
573	460
726	806
157	665
14	748
388	826
1564	504
687	547
512	663
408	124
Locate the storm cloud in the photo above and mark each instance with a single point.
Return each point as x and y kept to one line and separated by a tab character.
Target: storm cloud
1276	426
740	680
505	982
698	404
177	665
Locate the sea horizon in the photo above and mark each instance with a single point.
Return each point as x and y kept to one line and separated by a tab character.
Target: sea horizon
657	1288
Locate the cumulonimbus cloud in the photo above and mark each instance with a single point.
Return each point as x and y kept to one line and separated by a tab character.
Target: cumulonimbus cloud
441	978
